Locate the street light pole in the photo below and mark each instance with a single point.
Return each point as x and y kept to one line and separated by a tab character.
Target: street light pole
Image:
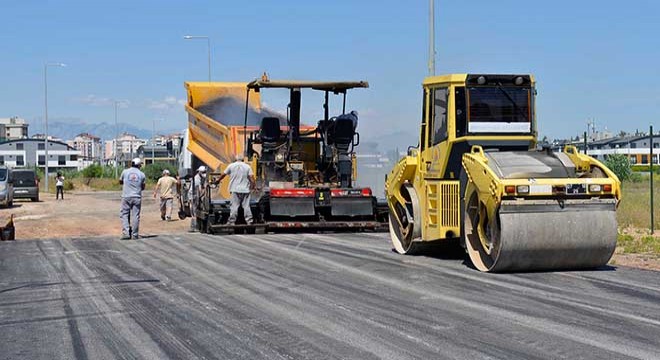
153	142
46	65
116	138
208	44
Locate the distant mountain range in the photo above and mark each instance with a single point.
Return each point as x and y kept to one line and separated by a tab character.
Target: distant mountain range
68	129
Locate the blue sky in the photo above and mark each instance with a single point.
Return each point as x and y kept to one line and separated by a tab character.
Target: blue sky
595	59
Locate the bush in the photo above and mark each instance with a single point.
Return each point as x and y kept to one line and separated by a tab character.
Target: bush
620	165
68	185
93	171
636	177
645	168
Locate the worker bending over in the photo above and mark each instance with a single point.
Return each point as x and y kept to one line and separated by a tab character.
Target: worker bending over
241	182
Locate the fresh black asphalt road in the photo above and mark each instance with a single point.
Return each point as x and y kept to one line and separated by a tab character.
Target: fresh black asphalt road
314	296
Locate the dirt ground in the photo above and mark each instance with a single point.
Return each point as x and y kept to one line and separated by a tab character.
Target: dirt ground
83	214
96	213
640	261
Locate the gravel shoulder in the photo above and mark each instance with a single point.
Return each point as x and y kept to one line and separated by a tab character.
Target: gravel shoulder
86	214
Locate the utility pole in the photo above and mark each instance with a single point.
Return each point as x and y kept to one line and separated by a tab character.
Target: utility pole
153	142
116	139
651	172
431	38
46	65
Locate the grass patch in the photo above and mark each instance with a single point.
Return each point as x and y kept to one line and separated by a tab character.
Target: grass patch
92	184
645	244
635	207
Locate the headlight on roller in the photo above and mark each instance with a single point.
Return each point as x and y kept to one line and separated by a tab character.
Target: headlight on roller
595	188
522	189
3	187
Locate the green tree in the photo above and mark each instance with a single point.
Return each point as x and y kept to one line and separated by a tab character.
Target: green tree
93	171
620	165
155	170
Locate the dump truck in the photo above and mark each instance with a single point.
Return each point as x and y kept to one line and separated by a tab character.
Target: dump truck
305	174
477	175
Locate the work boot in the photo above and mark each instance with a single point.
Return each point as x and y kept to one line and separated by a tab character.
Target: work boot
124	237
162	217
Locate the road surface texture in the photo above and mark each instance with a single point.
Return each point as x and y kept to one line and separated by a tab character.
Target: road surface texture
85	214
319	296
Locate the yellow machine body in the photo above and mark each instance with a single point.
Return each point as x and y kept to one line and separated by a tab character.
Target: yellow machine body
477	175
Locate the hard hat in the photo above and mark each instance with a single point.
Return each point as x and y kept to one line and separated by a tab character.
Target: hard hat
166	172
137	161
201	169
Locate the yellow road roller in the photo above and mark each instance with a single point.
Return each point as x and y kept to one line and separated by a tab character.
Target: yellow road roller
478	175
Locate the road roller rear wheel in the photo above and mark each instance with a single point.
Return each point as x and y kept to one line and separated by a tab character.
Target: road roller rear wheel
482	235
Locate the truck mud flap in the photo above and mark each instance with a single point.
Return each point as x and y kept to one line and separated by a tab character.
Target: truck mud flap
292	207
352	207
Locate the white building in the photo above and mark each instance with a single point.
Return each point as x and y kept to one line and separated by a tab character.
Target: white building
13	128
30	153
89	147
124	147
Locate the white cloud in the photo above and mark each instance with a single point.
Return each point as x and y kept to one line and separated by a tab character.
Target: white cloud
95	100
167	103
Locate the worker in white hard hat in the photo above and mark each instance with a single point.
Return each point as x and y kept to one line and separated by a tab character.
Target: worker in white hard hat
133	182
197	194
241	182
166	187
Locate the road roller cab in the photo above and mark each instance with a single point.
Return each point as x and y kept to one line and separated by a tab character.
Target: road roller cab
477	175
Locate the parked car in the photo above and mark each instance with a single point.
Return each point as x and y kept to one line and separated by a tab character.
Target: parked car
6	187
26	184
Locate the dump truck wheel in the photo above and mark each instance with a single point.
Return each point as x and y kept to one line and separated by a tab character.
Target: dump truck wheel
482	234
405	229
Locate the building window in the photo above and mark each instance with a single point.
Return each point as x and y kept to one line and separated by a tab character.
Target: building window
633	145
41	146
19	146
633	159
655	145
42	160
61	160
19	160
73	157
645	159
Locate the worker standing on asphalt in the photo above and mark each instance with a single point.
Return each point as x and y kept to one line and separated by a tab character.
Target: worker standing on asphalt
133	182
241	182
197	193
165	188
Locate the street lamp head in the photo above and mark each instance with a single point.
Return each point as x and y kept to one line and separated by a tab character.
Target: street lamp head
187	37
56	64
